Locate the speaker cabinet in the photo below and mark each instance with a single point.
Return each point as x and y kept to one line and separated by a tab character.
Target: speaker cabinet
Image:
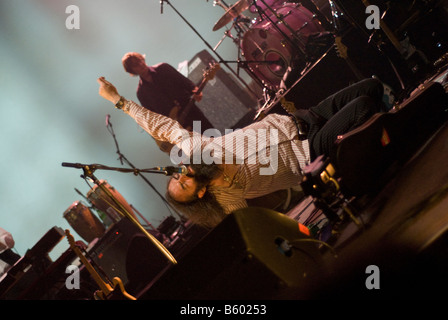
225	103
253	253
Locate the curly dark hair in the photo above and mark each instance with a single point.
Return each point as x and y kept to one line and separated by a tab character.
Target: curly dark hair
205	211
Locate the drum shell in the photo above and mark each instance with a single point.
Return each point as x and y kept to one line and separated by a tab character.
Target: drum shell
281	38
84	222
102	201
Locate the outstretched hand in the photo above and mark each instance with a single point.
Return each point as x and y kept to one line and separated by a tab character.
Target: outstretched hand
108	91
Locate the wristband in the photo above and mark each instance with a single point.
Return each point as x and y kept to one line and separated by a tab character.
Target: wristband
120	103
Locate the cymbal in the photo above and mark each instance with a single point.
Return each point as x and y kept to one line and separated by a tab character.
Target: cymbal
234	11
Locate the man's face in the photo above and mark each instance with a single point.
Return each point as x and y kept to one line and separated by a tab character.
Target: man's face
137	65
184	188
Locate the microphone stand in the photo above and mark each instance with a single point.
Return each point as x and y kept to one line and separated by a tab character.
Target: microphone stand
88	172
95	166
121	157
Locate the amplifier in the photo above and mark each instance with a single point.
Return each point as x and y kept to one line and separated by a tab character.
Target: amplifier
225	103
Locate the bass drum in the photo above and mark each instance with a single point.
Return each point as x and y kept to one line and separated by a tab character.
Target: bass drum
263	42
84	222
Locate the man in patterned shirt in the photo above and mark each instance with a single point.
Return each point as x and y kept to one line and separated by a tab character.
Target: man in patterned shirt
237	170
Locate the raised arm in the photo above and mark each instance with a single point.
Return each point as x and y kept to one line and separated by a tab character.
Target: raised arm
160	127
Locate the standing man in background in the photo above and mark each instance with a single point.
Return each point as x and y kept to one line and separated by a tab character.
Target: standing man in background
164	90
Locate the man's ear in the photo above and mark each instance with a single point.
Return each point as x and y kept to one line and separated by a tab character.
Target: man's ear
201	192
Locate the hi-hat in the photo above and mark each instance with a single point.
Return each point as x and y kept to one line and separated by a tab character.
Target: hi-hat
231	13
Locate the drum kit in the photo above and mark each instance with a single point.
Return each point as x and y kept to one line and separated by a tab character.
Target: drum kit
276	38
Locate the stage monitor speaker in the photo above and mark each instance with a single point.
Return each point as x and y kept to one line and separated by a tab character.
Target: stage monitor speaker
225	103
254	253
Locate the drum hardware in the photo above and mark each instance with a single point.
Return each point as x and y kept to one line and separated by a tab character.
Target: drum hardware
283	91
243	82
280	21
321	181
227	33
239	25
231	13
275	60
88	172
283	35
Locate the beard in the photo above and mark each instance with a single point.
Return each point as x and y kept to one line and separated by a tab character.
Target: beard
205	211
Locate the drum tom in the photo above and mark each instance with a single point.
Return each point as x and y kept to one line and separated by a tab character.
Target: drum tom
103	202
84	222
271	44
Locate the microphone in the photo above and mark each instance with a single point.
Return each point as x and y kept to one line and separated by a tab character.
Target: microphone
161	6
170	170
73	165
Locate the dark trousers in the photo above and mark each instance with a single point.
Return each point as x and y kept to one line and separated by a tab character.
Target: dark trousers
340	113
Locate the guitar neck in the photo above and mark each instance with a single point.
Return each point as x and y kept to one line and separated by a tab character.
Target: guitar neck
207	76
105	287
201	86
190	104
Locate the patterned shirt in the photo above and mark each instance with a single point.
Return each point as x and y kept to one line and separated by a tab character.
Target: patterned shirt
269	155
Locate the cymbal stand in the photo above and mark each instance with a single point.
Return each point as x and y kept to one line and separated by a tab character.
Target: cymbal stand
211	48
89	169
280	94
283	22
227	33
